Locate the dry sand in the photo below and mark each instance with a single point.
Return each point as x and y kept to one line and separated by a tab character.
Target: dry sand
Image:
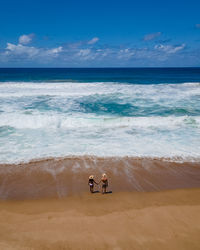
127	220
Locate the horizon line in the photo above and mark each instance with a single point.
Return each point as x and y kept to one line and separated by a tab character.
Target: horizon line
172	67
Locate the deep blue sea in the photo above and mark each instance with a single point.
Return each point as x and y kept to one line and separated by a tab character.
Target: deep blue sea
153	112
118	75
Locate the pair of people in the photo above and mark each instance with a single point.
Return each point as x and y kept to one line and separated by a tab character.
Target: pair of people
104	181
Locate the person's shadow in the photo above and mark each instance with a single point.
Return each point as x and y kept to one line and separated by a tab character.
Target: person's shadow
94	192
108	192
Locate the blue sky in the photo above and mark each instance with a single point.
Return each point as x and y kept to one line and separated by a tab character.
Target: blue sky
102	33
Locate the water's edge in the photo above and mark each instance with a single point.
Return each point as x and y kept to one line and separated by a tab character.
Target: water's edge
59	177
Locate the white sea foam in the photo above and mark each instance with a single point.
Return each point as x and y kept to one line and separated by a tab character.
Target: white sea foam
13	89
61	121
58	119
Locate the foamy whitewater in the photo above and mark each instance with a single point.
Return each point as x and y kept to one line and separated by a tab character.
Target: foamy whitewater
51	119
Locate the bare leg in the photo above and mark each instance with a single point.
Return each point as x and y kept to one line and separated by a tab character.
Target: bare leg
91	189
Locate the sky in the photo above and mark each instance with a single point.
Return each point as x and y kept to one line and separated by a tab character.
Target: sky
103	33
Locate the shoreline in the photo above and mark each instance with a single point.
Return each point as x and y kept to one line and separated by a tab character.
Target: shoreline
175	159
122	220
61	177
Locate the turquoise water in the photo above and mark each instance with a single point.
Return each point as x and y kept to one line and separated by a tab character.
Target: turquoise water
106	112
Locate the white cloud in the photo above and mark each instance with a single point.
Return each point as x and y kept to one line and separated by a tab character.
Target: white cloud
93	40
152	36
85	54
20	49
126	53
54	51
91	54
169	48
31	52
26	39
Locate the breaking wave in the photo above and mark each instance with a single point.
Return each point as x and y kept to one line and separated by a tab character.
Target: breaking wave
43	119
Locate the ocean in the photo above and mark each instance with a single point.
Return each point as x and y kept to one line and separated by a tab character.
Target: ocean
137	112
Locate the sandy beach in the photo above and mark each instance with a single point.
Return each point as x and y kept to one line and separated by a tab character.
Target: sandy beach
150	204
124	220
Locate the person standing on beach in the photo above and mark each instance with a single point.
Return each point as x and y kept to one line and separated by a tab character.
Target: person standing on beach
104	181
91	182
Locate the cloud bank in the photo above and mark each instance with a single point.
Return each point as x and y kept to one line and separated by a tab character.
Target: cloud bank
92	54
19	50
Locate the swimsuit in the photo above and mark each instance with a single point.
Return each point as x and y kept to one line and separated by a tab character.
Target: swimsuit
105	183
91	182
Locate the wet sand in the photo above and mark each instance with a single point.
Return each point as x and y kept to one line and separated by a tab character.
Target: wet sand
119	220
60	177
